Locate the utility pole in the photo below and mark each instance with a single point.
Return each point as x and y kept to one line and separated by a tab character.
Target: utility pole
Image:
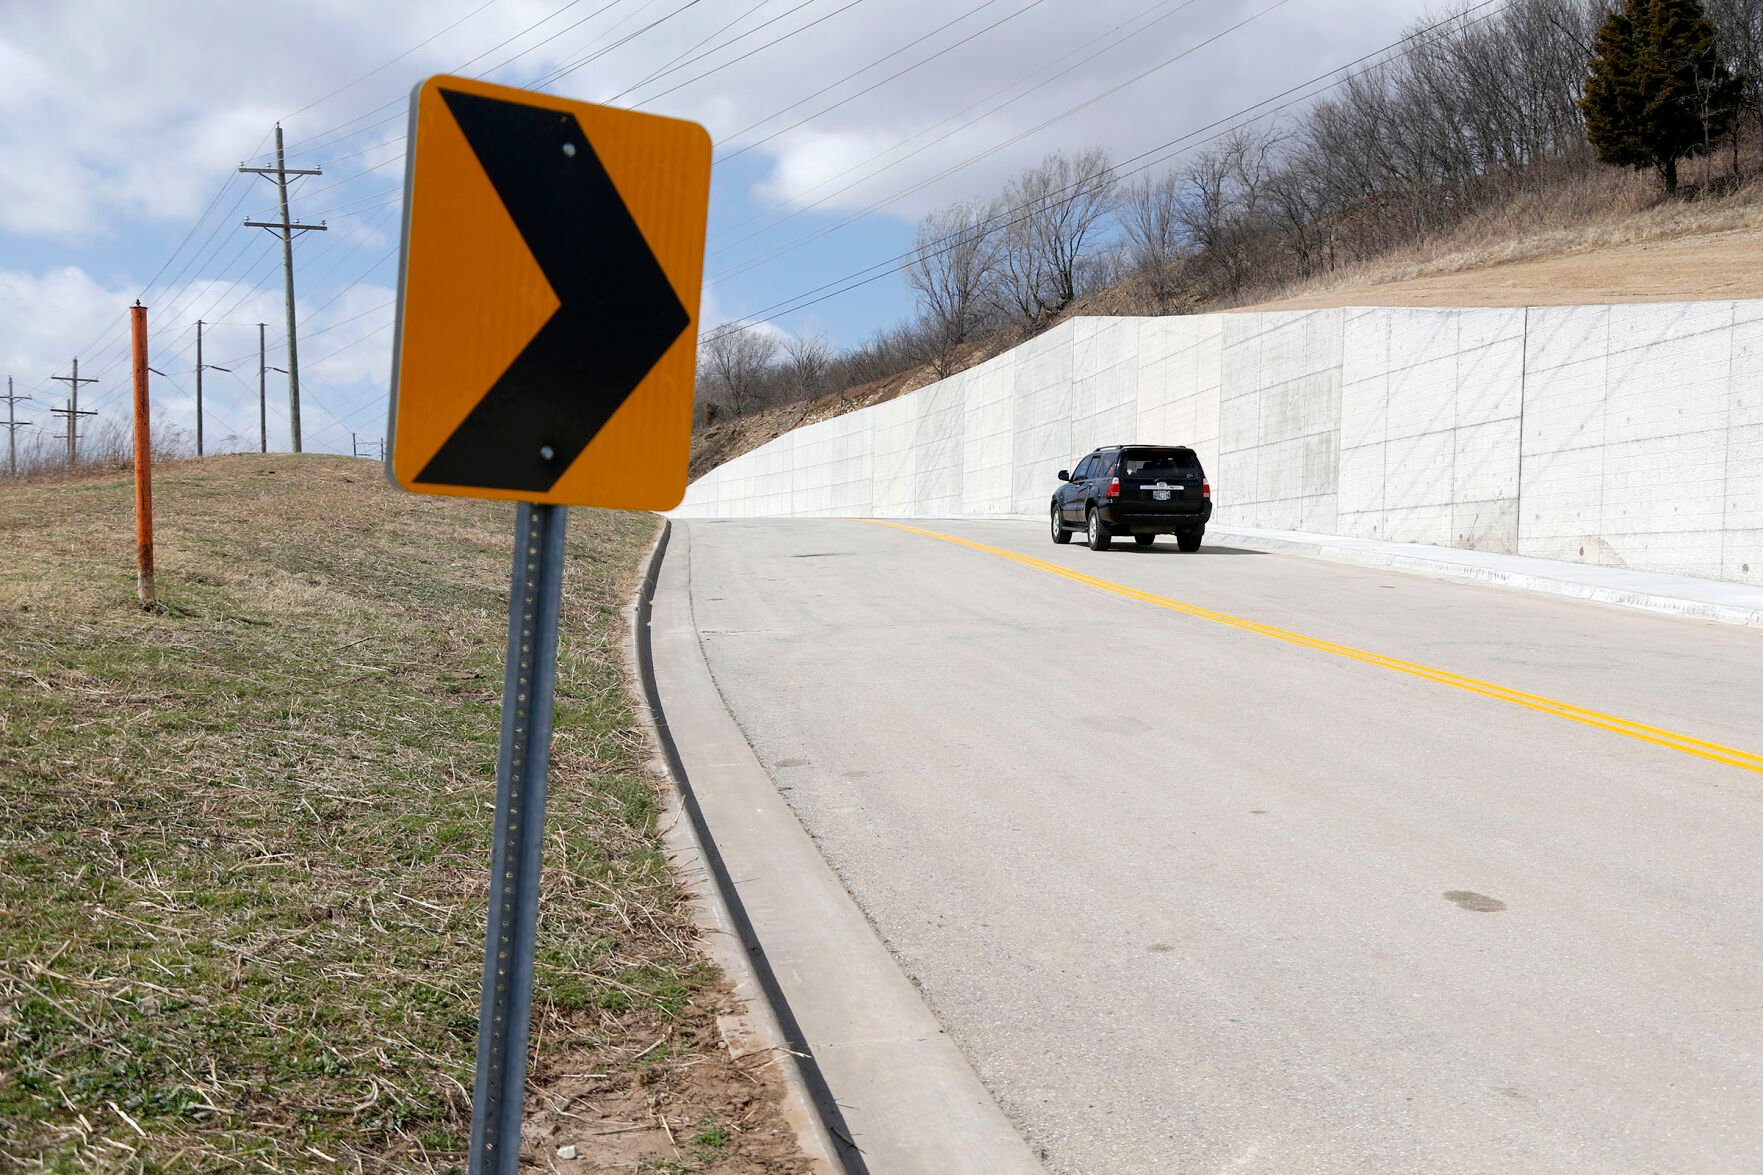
286	226
72	411
13	424
200	366
72	416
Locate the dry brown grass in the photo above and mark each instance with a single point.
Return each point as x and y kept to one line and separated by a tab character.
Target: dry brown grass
244	841
1607	211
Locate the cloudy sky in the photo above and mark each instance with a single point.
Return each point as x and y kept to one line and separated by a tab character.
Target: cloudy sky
837	122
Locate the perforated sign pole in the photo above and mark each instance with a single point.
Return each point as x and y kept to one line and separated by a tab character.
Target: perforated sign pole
547	327
499	1094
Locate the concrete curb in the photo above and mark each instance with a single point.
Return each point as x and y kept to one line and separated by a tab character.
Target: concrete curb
1461	567
892	1088
755	1029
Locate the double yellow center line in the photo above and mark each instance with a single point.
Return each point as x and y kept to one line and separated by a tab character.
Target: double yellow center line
1701	748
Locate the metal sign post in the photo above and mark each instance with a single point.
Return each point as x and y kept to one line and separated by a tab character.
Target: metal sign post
498	1096
518	374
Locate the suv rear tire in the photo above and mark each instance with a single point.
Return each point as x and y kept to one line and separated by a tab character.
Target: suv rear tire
1189	540
1061	532
1100	539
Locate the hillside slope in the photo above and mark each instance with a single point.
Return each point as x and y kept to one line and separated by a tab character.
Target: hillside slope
1638	248
244	841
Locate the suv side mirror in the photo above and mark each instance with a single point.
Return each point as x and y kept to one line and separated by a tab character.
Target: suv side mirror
1065	475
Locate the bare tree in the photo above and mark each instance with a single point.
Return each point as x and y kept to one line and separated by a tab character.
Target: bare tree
953	263
735	364
1222	209
1740	26
1053	212
807	360
884	354
1150	219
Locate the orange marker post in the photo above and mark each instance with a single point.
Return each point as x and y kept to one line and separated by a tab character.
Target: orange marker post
143	461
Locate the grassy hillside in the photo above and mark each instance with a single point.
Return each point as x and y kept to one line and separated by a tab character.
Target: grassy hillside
244	841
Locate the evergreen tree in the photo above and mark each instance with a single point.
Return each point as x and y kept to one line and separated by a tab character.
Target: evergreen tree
1657	89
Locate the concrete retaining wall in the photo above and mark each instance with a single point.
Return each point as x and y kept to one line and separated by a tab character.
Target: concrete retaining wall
1628	436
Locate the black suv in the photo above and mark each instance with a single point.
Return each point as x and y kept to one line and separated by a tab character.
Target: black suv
1141	490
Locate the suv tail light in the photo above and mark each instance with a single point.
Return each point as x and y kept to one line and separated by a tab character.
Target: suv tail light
1205	489
1114	488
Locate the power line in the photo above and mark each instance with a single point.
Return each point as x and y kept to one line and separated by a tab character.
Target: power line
257	152
549	79
910	139
1151	158
684	57
311	146
387	65
742	150
817	234
749	53
394	193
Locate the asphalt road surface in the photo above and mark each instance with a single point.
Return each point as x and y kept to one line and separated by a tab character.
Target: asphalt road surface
1246	862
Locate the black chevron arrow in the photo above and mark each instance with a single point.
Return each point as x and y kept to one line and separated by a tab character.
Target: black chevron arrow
617	316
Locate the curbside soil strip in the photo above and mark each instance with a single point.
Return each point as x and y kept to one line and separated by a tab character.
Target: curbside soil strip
893	1089
756	1028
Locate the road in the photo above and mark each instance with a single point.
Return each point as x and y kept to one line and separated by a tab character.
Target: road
1208	863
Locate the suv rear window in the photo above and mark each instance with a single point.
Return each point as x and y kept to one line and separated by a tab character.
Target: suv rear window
1161	463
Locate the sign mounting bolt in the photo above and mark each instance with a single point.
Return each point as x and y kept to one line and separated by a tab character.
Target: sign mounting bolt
569	150
546	452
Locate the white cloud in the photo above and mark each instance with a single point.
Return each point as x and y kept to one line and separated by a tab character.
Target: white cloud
47	317
137	110
118	123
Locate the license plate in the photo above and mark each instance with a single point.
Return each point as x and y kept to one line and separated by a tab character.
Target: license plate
1160	495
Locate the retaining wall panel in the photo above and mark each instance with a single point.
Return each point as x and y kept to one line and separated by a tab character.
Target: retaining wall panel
1557	336
1361	491
1664	484
988	437
1042	441
1419	524
1484	461
1563	494
895	493
1742	555
1479	327
937	439
1490	525
1104	386
1680	553
1417	470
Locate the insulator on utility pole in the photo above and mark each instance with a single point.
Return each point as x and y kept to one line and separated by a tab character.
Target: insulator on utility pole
287	228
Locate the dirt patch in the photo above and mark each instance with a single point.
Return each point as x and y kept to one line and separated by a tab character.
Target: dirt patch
711	1113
